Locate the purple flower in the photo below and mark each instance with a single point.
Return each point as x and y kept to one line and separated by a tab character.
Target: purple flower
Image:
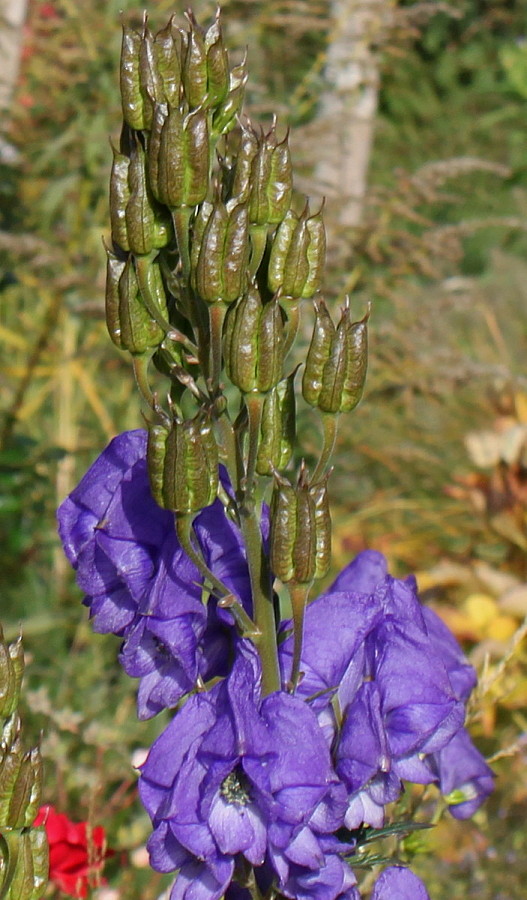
236	775
139	583
464	777
396	883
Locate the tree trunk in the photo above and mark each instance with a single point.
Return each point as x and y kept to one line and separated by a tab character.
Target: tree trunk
349	105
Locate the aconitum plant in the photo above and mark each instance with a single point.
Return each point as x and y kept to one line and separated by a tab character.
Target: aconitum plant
197	540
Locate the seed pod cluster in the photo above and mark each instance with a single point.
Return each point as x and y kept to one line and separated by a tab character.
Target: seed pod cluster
336	362
297	255
23	849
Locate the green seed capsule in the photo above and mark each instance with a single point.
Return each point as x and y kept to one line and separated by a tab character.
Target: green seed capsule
167	57
318	354
155	460
149	77
131	94
297	256
139	332
217	65
180	173
336	362
283	530
25	871
254	343
246	153
114	270
300	530
277	428
190	477
221	264
119	197
271	181
146	225
224	118
194	74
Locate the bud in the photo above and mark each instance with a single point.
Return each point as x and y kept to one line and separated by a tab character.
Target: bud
183	465
178	163
221	252
277	427
336	362
146	223
224	118
253	343
300	530
297	255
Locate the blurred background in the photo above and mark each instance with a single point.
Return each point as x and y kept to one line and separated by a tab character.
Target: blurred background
411	120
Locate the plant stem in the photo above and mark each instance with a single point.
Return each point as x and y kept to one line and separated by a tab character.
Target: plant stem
140	364
254	405
217	315
330	426
262	594
299	594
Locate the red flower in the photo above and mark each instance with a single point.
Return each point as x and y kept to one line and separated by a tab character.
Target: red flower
76	852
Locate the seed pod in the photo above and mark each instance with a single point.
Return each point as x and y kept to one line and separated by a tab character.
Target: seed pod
190	473
254	343
271	181
217	65
155	459
149	77
138	331
194	69
179	171
20	787
146	225
336	362
277	427
221	267
167	57
24	871
245	155
11	671
224	118
114	270
119	197
297	255
131	95
300	530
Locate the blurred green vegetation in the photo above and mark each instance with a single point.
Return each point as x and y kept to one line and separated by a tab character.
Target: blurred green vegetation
430	469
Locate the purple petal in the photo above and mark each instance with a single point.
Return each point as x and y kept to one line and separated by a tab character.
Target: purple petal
396	883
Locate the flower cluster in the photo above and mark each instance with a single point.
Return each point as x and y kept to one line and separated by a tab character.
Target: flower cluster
274	785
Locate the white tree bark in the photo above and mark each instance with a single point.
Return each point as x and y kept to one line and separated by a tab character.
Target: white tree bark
12	18
349	105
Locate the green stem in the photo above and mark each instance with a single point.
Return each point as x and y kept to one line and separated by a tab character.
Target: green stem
258	235
227	598
330	426
181	219
216	317
262	594
299	594
140	364
254	404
